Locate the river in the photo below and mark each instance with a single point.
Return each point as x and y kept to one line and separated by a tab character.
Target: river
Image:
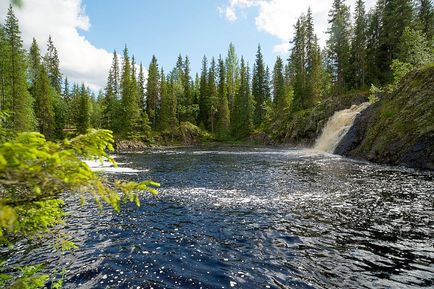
259	218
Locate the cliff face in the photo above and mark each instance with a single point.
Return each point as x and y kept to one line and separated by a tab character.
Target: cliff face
398	129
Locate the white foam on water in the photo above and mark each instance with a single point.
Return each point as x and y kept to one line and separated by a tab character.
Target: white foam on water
107	167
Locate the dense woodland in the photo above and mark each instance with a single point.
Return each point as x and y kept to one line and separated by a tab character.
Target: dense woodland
230	98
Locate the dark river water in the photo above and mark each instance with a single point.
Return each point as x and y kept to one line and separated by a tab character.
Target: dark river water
259	218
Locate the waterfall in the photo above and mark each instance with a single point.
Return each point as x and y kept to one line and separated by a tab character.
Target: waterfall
337	126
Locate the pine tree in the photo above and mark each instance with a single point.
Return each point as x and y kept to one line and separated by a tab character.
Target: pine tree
298	67
163	116
223	113
34	62
212	96
83	117
395	16
260	88
130	107
191	109
232	76
426	18
373	44
338	45
51	61
244	109
314	69
18	98
145	124
172	105
203	95
44	94
152	92
4	58
358	47
110	104
279	94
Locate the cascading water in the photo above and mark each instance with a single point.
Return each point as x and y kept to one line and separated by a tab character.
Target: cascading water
337	127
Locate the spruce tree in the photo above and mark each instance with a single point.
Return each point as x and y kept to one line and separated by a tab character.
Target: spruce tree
44	94
51	61
130	107
223	113
152	92
244	109
338	45
34	62
203	95
111	109
298	67
358	47
373	44
163	116
260	88
279	94
212	96
426	18
83	116
395	17
314	69
232	76
17	98
4	59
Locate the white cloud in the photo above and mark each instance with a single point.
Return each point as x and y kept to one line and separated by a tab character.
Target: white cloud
277	17
80	61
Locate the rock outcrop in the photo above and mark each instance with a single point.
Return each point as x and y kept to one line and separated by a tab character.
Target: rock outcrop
399	128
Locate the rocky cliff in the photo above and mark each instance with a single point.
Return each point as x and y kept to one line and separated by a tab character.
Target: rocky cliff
399	128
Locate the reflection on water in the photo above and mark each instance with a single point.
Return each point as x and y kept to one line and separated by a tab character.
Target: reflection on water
260	218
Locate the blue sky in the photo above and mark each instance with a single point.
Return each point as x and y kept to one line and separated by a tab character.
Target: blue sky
167	27
86	32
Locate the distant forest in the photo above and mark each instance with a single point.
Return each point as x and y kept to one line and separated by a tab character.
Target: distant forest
230	98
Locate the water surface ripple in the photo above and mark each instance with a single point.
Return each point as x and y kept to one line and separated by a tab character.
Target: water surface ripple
260	218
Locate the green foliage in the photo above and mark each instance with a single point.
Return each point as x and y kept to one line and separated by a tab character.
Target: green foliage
373	93
399	70
35	175
152	92
414	49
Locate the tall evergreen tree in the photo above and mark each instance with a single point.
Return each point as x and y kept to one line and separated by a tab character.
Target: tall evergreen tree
373	43
242	123
279	94
212	96
338	44
51	61
232	76
260	88
83	116
152	92
110	105
203	95
314	70
223	113
359	47
44	95
395	16
34	62
18	98
163	116
130	107
426	18
298	67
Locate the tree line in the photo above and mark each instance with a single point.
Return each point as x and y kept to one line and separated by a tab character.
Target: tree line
229	98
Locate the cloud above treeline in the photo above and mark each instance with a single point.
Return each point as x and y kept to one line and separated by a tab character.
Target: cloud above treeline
80	60
277	17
